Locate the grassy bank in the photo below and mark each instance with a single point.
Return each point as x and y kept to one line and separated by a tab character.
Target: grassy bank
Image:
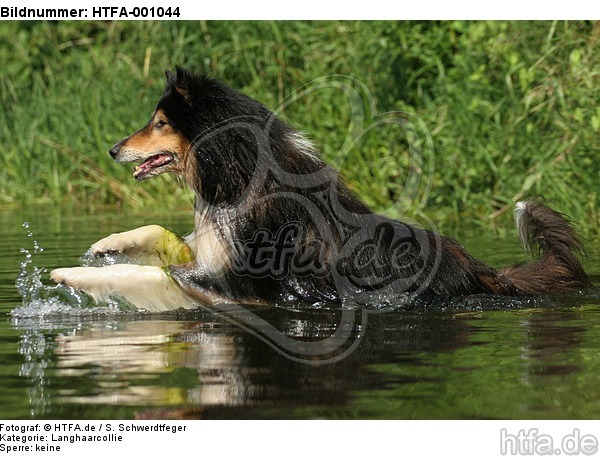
501	110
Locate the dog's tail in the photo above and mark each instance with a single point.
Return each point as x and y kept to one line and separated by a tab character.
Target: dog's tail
547	233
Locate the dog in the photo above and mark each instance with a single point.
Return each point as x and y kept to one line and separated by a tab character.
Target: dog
275	225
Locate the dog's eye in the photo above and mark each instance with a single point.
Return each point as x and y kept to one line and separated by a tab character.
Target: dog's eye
160	124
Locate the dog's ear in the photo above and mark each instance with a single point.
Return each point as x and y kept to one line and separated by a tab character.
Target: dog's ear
183	77
170	77
179	81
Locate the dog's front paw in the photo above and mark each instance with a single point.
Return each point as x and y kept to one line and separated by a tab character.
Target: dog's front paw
145	287
140	239
115	243
78	278
59	275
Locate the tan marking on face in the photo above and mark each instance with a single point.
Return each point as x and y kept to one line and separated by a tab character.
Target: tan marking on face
159	136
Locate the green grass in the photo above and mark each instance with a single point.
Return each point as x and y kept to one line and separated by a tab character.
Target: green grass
501	110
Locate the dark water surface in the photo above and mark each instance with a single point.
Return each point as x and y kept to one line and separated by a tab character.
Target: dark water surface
488	358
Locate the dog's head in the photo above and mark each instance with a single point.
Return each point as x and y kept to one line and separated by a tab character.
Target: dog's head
160	146
210	135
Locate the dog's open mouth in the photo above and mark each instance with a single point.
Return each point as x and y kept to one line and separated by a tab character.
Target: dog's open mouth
150	166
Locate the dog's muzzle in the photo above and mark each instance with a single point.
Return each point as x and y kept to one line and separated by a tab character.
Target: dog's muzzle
114	150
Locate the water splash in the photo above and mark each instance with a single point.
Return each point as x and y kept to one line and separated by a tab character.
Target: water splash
34	348
88	259
40	300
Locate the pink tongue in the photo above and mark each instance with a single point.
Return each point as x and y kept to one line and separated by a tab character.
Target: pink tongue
153	162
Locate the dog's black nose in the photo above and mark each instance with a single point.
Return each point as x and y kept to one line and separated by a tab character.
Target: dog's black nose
114	150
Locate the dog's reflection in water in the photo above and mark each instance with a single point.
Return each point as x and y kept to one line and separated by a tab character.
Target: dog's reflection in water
122	358
175	368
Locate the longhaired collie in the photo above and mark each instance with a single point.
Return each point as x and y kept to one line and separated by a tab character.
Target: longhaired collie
275	225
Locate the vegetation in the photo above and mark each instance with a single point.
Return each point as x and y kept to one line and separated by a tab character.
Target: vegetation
500	110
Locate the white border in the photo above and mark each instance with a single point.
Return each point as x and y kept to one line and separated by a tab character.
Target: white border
354	10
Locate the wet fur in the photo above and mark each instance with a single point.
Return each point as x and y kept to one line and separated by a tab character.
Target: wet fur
252	174
545	233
